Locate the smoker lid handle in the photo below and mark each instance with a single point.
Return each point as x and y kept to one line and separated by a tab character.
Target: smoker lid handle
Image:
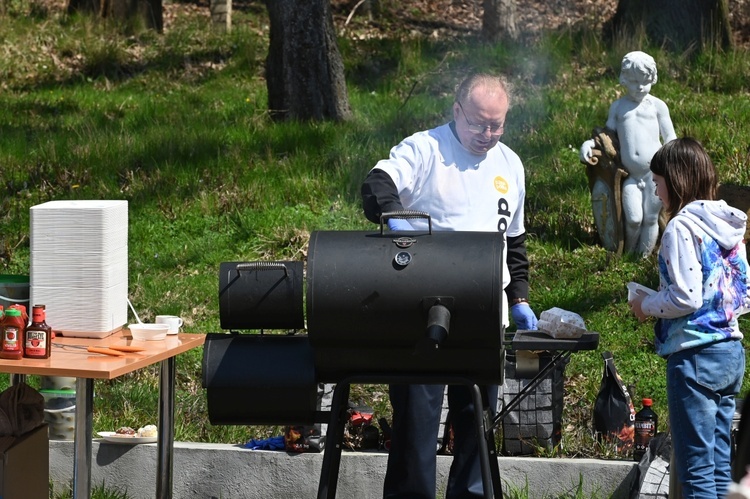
248	266
384	217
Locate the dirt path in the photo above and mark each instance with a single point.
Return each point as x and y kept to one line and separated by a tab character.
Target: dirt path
445	17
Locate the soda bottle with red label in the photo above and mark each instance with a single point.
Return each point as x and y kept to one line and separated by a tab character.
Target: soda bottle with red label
646	423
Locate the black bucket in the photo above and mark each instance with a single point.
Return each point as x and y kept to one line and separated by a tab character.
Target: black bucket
14	289
259	379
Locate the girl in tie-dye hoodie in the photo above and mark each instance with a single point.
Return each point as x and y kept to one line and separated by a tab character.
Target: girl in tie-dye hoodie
703	288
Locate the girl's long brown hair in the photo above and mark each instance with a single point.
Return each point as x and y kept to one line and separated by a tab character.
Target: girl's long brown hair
688	173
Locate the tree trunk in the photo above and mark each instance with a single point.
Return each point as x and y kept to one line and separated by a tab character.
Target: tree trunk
148	11
304	69
84	6
153	14
499	20
221	13
679	25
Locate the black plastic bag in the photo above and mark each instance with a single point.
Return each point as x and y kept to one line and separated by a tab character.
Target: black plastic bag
741	441
359	432
310	437
614	415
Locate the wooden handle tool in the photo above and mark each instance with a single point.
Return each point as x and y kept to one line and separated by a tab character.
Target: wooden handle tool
127	348
105	351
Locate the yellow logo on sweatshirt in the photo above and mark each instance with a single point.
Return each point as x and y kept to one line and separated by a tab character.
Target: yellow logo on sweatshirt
501	185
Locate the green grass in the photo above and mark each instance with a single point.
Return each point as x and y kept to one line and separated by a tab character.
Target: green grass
177	125
102	491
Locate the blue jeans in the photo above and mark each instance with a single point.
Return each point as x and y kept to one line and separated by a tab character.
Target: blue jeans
411	471
701	385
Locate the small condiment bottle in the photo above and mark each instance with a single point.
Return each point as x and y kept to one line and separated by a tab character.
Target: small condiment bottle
22	308
646	426
11	334
38	337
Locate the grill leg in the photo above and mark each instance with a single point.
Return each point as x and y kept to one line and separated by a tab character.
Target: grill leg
329	472
484	452
494	467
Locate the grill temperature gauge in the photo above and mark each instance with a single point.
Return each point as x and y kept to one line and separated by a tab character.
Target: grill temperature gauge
402	258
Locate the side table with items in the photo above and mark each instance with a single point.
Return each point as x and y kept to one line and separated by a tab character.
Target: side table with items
71	357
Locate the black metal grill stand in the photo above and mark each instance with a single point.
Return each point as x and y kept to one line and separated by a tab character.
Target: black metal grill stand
563	348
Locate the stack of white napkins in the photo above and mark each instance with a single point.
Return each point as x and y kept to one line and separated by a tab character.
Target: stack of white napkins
79	265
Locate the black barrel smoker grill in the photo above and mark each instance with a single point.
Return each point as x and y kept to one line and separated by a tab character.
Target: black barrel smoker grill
408	307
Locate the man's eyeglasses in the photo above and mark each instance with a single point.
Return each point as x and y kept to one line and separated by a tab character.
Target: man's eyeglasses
494	128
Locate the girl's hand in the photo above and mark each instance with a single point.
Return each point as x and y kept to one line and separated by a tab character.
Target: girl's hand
635	306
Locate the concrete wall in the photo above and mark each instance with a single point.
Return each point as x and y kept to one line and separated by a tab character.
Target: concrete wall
228	472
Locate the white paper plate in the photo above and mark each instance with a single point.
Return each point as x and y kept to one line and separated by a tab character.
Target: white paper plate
111	436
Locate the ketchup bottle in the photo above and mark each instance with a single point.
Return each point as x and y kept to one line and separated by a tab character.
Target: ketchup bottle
12	337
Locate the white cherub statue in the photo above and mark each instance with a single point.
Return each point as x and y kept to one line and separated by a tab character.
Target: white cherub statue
639	122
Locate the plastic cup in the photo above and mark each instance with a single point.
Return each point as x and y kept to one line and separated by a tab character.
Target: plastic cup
635	289
173	321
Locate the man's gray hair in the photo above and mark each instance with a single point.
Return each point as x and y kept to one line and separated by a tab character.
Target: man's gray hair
466	87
